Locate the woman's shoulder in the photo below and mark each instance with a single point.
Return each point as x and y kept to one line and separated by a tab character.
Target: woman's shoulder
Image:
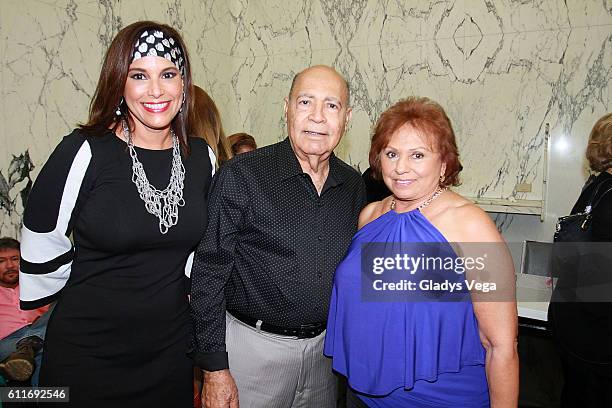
98	139
201	152
198	144
97	132
81	140
602	210
459	206
374	210
604	192
465	221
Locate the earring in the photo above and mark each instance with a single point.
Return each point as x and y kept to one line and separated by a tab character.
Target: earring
118	111
442	178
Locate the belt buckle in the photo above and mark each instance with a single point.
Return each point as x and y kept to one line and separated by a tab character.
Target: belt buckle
307	331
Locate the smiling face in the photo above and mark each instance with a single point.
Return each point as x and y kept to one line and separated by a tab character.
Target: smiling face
9	267
410	165
317	111
153	93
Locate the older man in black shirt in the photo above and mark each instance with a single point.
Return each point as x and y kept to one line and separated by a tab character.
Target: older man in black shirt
280	220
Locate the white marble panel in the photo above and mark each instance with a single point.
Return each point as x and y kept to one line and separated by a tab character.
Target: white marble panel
503	69
52	53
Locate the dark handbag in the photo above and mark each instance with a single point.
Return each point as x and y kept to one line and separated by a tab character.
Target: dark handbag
577	227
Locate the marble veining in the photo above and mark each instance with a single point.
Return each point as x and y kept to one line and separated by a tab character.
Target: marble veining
14	191
505	71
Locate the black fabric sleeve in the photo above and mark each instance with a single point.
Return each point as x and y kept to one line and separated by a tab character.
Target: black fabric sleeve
46	250
212	265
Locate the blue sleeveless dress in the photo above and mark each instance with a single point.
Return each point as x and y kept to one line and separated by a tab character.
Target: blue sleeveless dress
403	354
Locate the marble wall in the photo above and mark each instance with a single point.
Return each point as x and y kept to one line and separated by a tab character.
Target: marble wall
506	71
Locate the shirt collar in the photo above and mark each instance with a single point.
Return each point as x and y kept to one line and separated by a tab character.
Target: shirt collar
288	165
286	161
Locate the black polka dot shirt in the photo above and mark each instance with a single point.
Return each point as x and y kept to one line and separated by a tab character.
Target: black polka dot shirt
271	246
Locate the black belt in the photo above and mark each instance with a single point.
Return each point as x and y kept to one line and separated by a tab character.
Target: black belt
304	331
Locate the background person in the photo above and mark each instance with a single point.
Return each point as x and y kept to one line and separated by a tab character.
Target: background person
205	122
582	327
281	219
242	143
22	331
417	353
130	186
376	189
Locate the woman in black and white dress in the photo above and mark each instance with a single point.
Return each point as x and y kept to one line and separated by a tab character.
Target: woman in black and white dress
131	188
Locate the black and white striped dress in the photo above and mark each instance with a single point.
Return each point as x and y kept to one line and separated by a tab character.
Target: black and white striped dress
121	328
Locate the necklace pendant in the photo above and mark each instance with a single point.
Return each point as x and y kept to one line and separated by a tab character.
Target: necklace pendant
425	203
161	203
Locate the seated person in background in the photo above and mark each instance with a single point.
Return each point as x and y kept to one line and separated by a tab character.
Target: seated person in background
242	143
22	331
205	122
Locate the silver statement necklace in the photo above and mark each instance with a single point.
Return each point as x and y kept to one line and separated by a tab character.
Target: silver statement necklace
425	203
164	204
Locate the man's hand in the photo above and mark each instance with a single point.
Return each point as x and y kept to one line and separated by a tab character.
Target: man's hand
219	390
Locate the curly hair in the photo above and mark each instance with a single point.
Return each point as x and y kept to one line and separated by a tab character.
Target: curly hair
429	118
599	147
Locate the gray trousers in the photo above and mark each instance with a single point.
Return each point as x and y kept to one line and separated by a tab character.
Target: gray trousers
273	371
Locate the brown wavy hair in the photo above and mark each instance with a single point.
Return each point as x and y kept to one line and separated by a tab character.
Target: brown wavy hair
429	118
205	122
238	140
113	76
599	147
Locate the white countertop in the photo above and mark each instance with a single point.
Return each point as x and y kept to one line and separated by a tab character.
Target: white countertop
533	296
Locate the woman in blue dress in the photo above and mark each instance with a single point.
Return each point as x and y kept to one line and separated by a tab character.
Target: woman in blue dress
439	341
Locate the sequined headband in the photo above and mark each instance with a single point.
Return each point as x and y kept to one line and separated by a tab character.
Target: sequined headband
154	43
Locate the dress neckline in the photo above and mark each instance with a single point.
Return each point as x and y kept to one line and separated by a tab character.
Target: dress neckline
123	143
407	214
